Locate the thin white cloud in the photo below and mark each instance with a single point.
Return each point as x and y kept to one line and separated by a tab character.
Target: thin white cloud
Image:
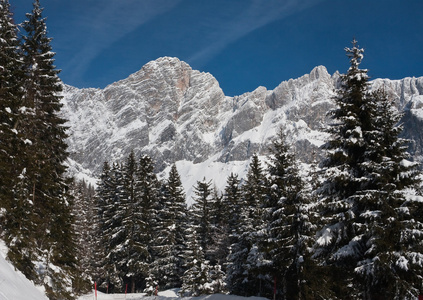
100	24
254	16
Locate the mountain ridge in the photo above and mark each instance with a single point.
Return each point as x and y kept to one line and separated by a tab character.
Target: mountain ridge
176	114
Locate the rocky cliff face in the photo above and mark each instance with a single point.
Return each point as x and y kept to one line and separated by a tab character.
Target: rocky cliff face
176	114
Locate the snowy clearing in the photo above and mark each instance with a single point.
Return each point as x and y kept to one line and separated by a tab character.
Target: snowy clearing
165	295
14	286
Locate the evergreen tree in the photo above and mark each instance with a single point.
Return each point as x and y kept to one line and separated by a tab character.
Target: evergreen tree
243	274
162	244
113	236
145	239
200	214
233	205
368	223
254	192
196	280
392	227
218	213
345	174
11	93
226	212
85	226
16	205
218	280
218	248
131	211
128	206
288	226
103	199
44	155
168	263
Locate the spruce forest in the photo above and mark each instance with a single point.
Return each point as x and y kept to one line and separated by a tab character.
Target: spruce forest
348	227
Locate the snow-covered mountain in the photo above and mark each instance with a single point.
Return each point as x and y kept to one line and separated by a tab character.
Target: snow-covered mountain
177	114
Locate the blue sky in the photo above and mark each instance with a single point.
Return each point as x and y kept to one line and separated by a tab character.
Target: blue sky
243	43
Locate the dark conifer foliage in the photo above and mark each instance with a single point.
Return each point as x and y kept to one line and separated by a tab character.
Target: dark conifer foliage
47	154
393	258
345	174
288	228
132	246
217	251
369	223
35	195
232	200
15	203
85	226
168	266
147	194
196	279
103	198
244	274
225	212
254	192
11	94
130	213
200	213
111	231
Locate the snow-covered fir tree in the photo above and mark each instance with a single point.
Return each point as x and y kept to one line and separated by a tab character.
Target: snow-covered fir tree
139	238
196	280
102	197
393	258
338	243
254	192
16	205
226	215
11	78
127	206
45	154
217	250
233	203
243	262
368	216
131	224
289	230
200	213
85	225
111	196
171	234
175	196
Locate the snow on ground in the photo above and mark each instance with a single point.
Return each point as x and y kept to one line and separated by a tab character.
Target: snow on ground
164	295
13	284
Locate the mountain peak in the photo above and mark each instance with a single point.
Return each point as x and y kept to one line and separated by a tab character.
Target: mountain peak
319	72
179	115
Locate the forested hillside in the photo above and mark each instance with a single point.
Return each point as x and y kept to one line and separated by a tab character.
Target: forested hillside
348	225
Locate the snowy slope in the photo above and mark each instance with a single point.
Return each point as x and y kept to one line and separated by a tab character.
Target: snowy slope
13	284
